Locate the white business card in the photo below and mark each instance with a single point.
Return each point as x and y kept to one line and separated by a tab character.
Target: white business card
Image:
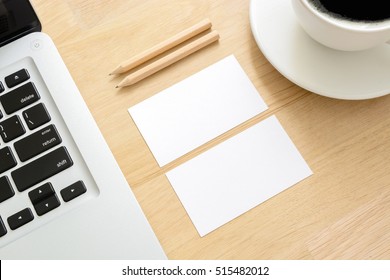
196	110
238	174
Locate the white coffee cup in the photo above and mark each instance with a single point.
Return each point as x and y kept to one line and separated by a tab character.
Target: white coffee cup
338	33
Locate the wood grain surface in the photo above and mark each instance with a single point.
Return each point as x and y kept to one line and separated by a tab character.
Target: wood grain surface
340	212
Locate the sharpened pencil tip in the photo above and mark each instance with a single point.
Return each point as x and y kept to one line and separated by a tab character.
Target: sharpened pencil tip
117	70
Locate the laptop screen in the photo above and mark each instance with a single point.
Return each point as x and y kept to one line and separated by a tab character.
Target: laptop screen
17	19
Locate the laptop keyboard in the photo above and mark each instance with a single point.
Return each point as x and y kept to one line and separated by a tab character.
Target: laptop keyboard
36	162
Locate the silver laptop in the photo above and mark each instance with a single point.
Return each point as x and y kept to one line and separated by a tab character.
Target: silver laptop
62	195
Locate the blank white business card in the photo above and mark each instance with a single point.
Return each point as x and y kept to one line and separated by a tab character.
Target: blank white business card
197	109
238	174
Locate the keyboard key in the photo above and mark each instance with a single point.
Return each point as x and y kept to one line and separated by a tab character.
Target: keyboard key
3	230
21	218
41	193
41	169
73	191
11	128
19	98
1	115
7	160
44	199
37	143
17	78
36	116
47	205
1	87
6	190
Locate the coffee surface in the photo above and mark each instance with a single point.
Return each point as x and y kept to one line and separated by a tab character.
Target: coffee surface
355	10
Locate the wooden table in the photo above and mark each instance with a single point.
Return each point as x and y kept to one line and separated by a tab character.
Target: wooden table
341	212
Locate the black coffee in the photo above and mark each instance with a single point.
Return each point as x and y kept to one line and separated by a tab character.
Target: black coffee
355	10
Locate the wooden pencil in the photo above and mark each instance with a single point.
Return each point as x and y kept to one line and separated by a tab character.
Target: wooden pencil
162	47
170	59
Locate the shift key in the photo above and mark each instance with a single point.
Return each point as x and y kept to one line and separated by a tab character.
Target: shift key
41	169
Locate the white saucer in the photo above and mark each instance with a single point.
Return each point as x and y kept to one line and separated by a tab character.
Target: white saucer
337	74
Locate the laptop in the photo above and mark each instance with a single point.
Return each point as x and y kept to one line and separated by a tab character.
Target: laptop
62	194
